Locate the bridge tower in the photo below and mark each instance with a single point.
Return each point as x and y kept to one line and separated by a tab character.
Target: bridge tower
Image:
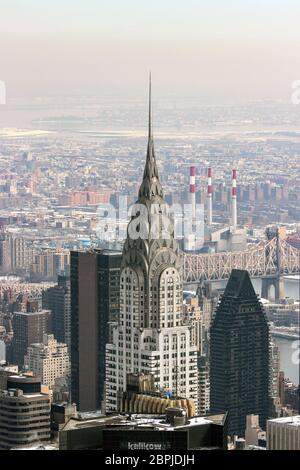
275	279
268	282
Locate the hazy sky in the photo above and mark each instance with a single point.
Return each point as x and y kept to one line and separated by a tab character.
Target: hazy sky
211	50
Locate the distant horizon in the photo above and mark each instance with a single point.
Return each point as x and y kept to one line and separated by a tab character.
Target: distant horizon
123	99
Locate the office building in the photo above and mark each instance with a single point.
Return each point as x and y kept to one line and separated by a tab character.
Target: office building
239	355
24	413
94	303
192	315
275	369
150	336
48	360
274	379
203	385
21	253
60	415
58	300
6	370
168	433
50	263
171	431
5	257
208	300
254	435
28	327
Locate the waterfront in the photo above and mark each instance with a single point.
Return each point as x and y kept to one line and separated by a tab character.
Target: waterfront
287	349
291	288
286	346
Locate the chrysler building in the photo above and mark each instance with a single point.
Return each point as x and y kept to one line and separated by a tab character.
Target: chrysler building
150	336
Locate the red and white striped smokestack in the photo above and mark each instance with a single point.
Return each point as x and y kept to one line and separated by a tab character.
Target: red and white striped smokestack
209	196
233	200
193	192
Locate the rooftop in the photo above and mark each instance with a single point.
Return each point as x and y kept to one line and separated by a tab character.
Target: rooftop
141	422
10	393
77	423
290	420
37	447
37	312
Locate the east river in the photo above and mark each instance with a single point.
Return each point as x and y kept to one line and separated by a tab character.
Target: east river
287	347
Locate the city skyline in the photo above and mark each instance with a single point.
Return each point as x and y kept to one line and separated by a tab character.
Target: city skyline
149	242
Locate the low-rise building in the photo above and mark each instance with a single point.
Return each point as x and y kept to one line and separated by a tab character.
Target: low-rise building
24	413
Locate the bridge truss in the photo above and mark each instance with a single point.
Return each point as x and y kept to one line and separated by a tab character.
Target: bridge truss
276	257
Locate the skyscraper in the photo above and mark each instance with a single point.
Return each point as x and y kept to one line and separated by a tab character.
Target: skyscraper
5	258
150	336
21	253
274	372
239	355
94	303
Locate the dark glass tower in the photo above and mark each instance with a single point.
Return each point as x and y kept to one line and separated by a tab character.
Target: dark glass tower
28	327
57	299
95	298
239	355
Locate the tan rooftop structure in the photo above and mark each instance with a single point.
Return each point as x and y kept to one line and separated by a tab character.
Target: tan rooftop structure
283	433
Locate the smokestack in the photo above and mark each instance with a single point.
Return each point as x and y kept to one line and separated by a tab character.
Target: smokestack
209	196
193	193
233	201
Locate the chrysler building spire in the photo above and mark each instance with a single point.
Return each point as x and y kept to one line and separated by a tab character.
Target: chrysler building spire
150	186
150	137
150	336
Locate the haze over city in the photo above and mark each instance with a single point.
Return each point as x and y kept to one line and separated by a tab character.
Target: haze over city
214	51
